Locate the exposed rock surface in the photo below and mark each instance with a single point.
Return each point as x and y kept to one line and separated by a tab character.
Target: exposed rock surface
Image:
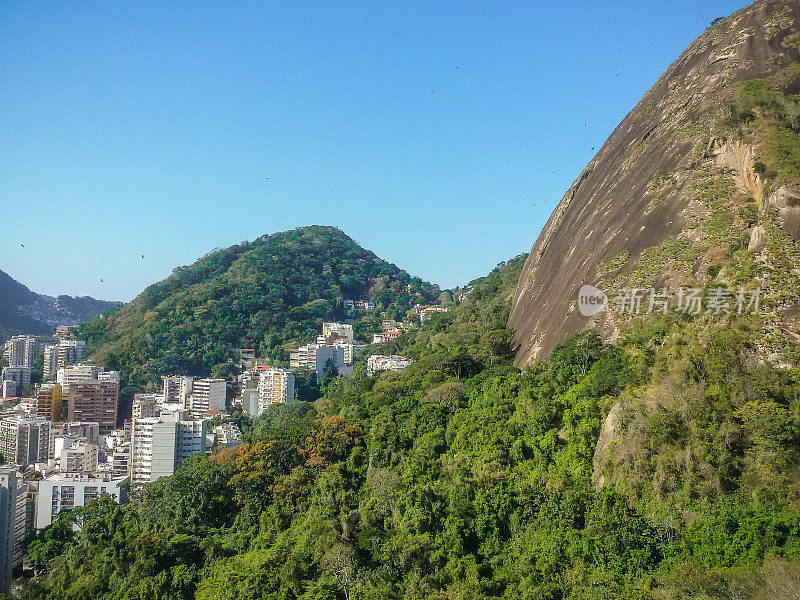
641	187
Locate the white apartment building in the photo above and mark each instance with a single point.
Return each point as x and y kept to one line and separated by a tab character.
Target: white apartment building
377	362
228	435
176	389
153	445
275	386
70	351
77	373
349	349
198	395
60	355
21	376
190	439
22	350
160	444
13	500
316	357
14	351
108	376
121	460
24	440
9	389
78	457
207	394
147	405
50	366
64	491
342	331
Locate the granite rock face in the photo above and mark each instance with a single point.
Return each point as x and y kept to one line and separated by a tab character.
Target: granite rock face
641	189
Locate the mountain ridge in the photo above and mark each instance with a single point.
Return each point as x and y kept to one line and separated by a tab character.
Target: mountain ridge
23	311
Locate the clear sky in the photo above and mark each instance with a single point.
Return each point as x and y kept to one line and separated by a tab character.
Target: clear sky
440	135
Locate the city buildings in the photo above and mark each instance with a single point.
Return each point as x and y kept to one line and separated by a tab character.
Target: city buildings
13	498
198	395
95	401
64	491
50	364
359	304
48	401
121	460
62	354
377	362
21	376
333	331
426	312
147	405
380	338
9	389
228	435
90	431
22	350
160	444
207	395
247	358
275	386
78	457
24	440
317	358
80	372
176	389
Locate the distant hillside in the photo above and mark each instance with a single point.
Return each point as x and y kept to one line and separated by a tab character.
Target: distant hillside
25	312
264	294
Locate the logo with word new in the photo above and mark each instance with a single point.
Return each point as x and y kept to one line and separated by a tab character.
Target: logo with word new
591	300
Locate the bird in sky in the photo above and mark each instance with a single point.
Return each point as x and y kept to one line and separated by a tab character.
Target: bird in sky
23	245
101	280
142	255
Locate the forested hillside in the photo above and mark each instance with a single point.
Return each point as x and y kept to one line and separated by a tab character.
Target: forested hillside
463	477
265	294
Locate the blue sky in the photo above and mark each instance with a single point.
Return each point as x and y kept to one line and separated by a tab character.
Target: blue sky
169	129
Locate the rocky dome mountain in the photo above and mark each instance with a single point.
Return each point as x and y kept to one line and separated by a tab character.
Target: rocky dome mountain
697	185
25	312
265	294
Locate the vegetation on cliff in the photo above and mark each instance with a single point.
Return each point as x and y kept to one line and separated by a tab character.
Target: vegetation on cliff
465	477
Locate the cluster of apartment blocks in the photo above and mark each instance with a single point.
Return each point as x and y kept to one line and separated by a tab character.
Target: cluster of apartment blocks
51	466
22	350
169	427
48	467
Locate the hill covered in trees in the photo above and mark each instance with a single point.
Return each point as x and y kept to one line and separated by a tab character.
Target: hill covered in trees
266	294
464	477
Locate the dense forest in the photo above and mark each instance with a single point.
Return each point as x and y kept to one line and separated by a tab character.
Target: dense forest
267	294
464	477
